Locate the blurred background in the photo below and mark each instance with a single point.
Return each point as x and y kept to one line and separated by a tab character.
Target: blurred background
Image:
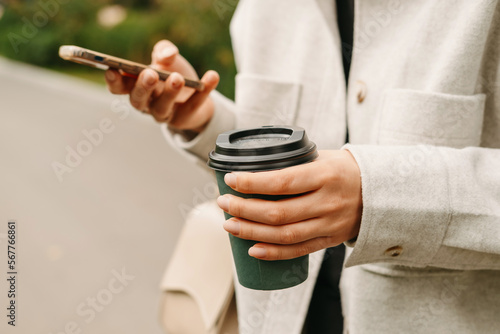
98	196
123	28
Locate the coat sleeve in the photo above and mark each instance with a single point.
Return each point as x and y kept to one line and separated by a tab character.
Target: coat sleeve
198	148
429	206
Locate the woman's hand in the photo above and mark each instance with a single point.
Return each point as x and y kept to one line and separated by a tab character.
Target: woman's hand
170	101
326	213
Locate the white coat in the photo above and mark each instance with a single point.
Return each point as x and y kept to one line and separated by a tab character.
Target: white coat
423	113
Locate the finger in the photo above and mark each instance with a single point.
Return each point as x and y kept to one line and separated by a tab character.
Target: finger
162	107
187	113
144	87
284	235
272	252
279	212
165	56
164	53
159	88
289	181
117	83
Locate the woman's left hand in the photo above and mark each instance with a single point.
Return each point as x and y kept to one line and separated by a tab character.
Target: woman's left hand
326	212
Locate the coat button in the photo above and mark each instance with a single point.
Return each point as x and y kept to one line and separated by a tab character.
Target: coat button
394	251
361	91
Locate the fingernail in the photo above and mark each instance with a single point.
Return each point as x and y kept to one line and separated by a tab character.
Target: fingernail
257	252
168	52
148	79
230	179
176	80
232	226
110	76
223	203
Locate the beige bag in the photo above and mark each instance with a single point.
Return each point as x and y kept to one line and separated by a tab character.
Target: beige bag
198	290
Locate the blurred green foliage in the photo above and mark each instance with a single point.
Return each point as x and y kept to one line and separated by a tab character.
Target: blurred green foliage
32	31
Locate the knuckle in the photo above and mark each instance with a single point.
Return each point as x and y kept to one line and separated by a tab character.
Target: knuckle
277	215
134	102
243	183
137	95
198	101
114	88
327	178
166	99
302	250
276	253
333	176
235	208
334	204
245	232
283	183
157	109
325	242
330	242
287	236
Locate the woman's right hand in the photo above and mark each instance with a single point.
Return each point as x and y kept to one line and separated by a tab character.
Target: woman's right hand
168	101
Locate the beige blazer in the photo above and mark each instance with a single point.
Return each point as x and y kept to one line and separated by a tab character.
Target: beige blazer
423	113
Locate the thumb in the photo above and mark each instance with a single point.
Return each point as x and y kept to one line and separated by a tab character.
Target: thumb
164	53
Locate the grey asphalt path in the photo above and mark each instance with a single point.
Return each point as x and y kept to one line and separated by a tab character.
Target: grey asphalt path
91	249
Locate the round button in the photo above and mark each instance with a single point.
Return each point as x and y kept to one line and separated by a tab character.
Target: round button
361	91
394	251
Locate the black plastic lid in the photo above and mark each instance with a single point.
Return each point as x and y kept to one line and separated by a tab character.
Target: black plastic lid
264	148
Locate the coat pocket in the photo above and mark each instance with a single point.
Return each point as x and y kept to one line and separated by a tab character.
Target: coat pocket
410	117
265	101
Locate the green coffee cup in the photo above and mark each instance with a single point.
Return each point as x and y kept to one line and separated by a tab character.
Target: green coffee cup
253	150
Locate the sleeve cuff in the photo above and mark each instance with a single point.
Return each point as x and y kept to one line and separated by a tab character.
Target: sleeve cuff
198	148
406	209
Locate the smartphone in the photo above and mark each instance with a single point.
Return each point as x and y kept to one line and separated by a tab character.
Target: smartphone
125	67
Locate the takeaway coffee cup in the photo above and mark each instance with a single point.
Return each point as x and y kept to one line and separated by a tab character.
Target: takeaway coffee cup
253	150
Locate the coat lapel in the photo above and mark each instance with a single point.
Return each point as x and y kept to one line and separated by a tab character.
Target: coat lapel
328	10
